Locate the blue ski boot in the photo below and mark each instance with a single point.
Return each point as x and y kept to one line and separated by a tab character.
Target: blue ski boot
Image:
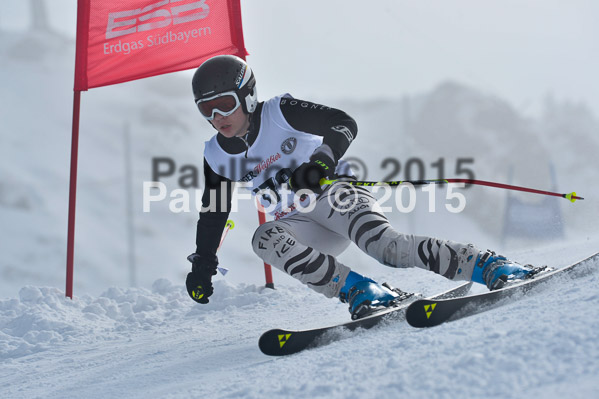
365	296
495	270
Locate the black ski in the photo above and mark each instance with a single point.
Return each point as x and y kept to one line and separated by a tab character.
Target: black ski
279	342
431	312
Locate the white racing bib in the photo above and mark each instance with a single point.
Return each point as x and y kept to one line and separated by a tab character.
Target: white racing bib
277	151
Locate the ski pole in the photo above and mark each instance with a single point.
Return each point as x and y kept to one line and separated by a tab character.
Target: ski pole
570	196
229	226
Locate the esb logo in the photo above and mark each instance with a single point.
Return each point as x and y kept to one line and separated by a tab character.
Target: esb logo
155	16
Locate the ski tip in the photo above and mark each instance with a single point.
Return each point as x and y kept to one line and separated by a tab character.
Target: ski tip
278	343
419	313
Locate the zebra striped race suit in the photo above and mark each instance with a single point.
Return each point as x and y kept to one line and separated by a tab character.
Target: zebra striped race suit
284	133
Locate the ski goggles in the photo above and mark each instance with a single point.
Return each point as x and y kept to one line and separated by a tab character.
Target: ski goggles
224	103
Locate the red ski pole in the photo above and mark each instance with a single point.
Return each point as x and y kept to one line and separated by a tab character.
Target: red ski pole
570	196
229	226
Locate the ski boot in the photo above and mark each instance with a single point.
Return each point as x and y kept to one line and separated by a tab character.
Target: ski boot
365	296
495	270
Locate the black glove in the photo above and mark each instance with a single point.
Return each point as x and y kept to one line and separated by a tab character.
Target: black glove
199	280
309	174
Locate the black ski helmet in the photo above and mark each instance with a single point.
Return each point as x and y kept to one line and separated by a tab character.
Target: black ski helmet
224	73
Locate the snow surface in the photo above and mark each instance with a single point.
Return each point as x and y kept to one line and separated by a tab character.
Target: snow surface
115	339
138	343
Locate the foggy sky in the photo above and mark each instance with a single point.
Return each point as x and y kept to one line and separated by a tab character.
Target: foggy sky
521	51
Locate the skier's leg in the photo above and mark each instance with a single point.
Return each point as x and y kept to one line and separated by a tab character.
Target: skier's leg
453	260
302	249
353	211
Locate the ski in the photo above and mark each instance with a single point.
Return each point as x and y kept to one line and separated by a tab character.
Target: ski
432	312
278	342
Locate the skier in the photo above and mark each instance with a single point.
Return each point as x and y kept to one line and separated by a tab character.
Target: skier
281	141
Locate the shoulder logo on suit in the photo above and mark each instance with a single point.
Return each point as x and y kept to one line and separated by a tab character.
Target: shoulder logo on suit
345	131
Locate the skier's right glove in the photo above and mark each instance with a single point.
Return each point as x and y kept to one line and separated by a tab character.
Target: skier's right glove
308	175
199	280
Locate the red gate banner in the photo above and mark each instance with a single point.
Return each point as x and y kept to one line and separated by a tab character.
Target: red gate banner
123	40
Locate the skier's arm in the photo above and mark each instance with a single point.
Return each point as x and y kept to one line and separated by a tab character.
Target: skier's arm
337	128
215	212
212	221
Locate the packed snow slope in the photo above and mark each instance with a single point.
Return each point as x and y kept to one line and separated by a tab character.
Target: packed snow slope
138	343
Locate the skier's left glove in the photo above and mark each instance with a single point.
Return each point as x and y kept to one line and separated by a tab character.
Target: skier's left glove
308	175
199	280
